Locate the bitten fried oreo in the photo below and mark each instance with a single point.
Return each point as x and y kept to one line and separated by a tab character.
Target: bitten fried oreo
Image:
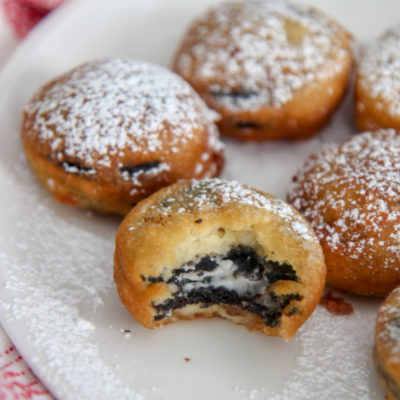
108	133
215	248
377	86
273	69
350	194
387	345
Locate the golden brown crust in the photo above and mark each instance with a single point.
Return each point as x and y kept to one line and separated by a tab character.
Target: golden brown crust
197	218
377	99
107	196
107	144
267	82
300	118
387	344
371	112
350	196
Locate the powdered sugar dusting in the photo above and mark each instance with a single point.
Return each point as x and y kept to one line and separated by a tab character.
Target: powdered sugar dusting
260	51
105	110
330	358
48	289
379	70
339	369
214	193
312	379
355	185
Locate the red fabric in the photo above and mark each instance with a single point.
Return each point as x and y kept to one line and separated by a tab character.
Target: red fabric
41	5
17	381
23	15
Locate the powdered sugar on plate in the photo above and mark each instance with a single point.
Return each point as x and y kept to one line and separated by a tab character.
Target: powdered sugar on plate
48	288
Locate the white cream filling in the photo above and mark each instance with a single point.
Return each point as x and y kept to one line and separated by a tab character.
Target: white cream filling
221	276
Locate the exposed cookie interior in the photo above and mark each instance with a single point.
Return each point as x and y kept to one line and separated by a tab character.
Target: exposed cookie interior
241	276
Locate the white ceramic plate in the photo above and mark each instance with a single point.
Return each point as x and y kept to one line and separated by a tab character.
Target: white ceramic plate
58	301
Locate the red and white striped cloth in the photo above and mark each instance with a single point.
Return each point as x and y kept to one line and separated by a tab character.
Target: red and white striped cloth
16	379
17	18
